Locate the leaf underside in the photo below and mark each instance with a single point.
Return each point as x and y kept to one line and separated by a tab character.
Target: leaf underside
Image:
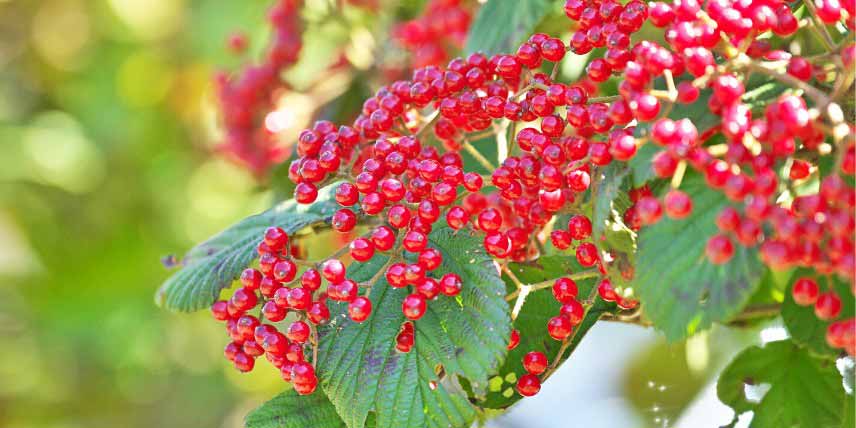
212	265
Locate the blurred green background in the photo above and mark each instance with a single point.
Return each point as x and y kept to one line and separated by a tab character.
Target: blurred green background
107	128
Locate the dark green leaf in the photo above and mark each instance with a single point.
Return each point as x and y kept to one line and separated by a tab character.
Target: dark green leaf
465	336
212	265
531	322
804	391
804	326
681	291
501	25
290	410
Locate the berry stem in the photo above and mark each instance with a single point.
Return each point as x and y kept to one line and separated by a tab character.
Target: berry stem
478	156
591	273
819	26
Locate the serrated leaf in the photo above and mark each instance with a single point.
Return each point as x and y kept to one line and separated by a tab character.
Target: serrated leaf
608	229
212	265
290	410
465	336
501	25
804	391
804	326
680	290
531	322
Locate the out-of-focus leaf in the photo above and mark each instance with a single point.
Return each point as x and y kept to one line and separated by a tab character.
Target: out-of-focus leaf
804	391
501	25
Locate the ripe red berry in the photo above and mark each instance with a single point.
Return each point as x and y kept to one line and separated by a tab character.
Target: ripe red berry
574	310
343	220
528	385
415	241
359	309
298	332
383	238
565	290
559	327
535	362
451	284
413	306
285	271
828	306
579	226
361	249
310	279
251	279
220	311
430	258
606	291
678	204
333	271
805	291
275	238
719	249
305	193
318	313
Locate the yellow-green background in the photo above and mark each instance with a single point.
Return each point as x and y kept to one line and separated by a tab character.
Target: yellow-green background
106	131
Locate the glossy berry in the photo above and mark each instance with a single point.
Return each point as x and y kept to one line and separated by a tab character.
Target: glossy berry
719	249
828	306
359	309
413	306
805	291
451	284
535	362
528	385
565	290
559	327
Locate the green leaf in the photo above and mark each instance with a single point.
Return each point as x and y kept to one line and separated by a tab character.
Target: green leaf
609	232
212	265
531	322
501	25
465	336
681	291
804	326
804	392
290	410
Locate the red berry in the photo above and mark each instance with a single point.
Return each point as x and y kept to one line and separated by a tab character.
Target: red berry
559	327
574	310
343	220
565	290
719	249
587	254
298	332
305	193
251	279
451	284
333	271
514	340
579	226
535	362
383	238
606	291
528	385
415	241
276	238
220	311
359	309
828	306
285	271
805	291
361	249
413	306
678	204
243	362
430	258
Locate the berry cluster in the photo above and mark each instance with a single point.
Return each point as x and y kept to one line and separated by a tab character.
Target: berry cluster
442	26
827	307
395	180
276	287
246	97
535	364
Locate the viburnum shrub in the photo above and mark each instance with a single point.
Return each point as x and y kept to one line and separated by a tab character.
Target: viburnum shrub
700	171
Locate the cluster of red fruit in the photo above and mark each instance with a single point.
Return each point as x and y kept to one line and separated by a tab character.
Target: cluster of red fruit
827	307
408	186
442	27
246	97
276	287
